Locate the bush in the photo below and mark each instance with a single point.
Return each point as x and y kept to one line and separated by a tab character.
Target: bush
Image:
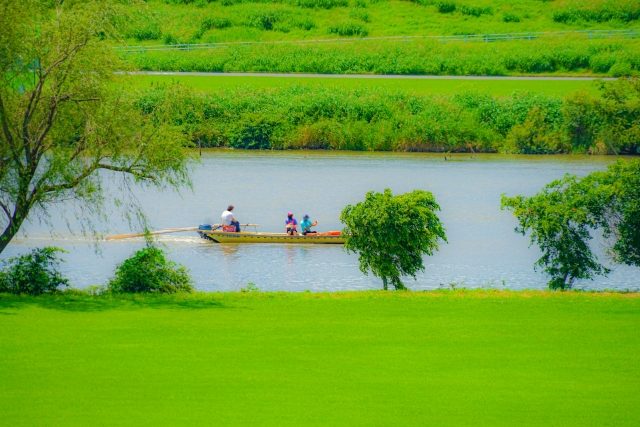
510	17
322	4
446	7
149	271
217	23
349	29
475	10
33	273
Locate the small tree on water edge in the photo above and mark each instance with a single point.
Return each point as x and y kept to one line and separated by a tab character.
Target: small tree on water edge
563	214
391	233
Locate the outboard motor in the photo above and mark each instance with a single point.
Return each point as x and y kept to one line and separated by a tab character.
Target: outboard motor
205	227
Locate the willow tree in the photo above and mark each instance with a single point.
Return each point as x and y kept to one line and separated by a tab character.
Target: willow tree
564	215
66	121
391	233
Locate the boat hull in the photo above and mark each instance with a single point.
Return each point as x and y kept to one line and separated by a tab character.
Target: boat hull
252	237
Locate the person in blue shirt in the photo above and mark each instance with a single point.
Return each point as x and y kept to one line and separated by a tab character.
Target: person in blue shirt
306	225
291	224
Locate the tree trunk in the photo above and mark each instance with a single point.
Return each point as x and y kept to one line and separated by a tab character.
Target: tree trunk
9	233
384	283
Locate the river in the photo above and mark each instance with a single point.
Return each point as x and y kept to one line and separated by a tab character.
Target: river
483	249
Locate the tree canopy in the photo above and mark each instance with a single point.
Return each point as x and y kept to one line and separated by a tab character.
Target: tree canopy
564	214
391	233
66	120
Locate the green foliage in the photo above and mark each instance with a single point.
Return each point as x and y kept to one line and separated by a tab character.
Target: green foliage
349	29
476	11
598	11
33	273
424	57
391	233
562	216
322	4
510	17
148	270
446	7
217	23
534	136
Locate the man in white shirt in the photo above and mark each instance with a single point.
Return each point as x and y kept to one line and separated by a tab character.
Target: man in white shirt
228	219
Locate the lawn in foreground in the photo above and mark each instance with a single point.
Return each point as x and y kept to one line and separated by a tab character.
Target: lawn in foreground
354	358
418	86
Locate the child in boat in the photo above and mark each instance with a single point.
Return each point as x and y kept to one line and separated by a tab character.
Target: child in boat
291	224
306	225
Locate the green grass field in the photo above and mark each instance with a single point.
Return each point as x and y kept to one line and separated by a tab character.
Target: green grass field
418	86
356	358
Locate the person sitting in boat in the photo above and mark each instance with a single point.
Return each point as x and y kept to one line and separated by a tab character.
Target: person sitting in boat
229	223
291	224
306	225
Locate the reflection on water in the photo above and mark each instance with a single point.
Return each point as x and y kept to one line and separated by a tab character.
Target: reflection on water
482	249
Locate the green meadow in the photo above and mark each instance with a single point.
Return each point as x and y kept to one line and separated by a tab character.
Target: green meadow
417	86
358	26
210	21
350	358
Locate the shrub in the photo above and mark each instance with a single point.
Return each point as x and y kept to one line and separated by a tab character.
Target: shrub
217	23
149	32
349	29
475	10
33	273
446	7
510	17
149	271
322	4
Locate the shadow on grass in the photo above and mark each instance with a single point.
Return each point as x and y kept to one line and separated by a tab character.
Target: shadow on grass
86	303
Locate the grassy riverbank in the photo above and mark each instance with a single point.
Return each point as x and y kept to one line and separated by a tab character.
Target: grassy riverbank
361	118
351	358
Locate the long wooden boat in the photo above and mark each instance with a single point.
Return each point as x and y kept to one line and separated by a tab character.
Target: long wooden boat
217	236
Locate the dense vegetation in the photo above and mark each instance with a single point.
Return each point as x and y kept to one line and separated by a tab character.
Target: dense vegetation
601	57
34	273
325	117
563	217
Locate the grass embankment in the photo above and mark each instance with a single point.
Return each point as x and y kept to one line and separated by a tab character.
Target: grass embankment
416	86
206	21
353	358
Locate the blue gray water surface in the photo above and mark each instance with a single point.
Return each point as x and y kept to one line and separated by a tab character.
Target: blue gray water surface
483	249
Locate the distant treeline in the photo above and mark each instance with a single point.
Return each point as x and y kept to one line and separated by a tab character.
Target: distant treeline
327	117
617	58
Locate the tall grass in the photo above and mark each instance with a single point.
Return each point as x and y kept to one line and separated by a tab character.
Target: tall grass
424	57
327	117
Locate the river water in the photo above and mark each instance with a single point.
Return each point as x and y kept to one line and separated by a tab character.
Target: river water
483	249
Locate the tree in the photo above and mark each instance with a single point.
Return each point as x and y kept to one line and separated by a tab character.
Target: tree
66	120
562	217
391	233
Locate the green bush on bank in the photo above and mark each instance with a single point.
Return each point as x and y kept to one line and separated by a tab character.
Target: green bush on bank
417	57
33	273
326	117
148	270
